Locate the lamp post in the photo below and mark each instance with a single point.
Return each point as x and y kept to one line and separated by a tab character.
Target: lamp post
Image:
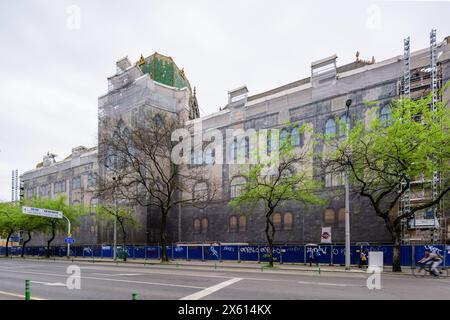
348	103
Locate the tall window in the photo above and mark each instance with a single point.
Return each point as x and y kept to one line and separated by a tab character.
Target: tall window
283	137
330	127
276	220
343	125
270	141
385	114
341	217
210	156
200	191
197	226
288	221
76	183
295	137
244	148
91	180
60	186
242	223
204	225
236	187
233	224
44	190
234	150
329	217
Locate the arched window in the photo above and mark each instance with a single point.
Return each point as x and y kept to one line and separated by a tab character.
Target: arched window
295	137
197	225
204	225
236	186
242	223
283	137
233	224
210	156
343	125
330	127
200	191
288	221
341	216
276	220
244	149
385	115
329	217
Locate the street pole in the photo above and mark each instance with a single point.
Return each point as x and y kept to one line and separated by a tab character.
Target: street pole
115	231
69	235
347	196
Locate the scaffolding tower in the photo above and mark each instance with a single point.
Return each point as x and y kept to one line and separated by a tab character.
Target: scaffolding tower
416	84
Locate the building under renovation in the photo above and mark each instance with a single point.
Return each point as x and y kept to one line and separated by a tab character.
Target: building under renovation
156	83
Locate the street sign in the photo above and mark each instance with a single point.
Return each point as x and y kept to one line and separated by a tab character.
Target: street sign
42	212
69	240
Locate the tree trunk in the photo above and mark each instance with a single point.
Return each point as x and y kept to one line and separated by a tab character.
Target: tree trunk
7	243
162	238
396	261
124	235
49	241
25	243
270	233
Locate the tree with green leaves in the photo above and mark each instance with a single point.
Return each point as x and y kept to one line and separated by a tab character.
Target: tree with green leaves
125	219
385	155
27	225
53	225
9	221
276	181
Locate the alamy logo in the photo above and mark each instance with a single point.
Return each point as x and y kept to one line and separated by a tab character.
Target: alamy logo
73	282
73	21
374	280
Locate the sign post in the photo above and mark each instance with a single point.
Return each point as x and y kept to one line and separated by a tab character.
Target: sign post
49	214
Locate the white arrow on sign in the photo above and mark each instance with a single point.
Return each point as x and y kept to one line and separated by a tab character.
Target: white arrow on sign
42	212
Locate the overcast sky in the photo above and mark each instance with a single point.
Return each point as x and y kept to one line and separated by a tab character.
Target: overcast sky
54	62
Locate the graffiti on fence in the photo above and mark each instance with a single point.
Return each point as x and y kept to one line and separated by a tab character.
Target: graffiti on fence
213	252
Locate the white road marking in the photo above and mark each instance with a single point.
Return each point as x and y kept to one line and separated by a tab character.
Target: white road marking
54	284
330	284
18	295
117	274
210	290
108	279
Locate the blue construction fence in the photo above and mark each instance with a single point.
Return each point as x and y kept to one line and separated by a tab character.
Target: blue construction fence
323	254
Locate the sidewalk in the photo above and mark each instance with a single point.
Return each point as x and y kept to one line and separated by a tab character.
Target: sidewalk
263	266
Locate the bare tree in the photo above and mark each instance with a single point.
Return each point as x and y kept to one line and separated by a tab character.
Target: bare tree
139	168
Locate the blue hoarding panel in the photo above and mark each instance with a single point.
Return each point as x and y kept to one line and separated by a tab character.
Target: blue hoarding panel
293	254
249	253
264	253
229	252
179	252
212	252
195	252
153	252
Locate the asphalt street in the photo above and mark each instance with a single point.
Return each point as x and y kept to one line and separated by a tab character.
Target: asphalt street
103	280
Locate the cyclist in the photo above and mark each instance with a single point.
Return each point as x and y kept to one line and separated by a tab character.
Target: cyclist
434	259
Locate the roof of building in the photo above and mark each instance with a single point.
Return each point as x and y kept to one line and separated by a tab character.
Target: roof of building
163	69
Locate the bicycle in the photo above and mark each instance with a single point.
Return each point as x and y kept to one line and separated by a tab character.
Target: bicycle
423	270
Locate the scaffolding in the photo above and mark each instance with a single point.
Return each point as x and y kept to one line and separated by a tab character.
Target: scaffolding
428	225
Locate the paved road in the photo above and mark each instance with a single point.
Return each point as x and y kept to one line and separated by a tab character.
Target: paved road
110	281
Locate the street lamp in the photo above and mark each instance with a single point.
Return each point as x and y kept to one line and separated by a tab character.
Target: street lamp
348	103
